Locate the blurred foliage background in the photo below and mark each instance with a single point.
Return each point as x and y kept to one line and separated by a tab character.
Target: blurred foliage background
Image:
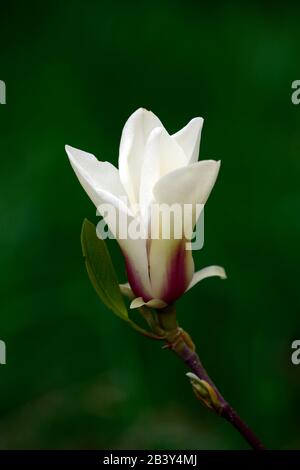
76	376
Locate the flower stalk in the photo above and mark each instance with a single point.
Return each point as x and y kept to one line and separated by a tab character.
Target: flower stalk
180	342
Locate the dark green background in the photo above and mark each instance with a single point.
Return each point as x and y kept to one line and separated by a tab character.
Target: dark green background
76	376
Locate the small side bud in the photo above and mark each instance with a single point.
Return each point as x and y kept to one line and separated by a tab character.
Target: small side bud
205	392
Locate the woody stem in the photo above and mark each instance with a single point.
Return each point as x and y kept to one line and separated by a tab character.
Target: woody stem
181	344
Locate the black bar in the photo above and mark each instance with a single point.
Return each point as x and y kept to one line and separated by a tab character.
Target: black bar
138	458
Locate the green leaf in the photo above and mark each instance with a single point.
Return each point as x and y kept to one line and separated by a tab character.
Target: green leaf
101	270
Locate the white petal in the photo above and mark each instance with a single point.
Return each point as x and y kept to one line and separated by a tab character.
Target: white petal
209	271
132	146
171	265
100	180
136	259
126	290
156	303
137	302
171	268
153	303
188	185
189	139
162	156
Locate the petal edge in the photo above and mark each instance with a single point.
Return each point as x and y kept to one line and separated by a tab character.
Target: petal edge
209	271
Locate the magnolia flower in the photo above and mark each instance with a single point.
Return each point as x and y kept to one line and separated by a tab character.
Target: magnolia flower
154	167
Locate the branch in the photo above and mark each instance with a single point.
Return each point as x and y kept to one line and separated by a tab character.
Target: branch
205	390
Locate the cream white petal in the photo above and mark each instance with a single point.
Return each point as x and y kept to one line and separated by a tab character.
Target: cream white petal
171	265
153	303
136	259
101	182
137	302
156	303
189	139
188	185
171	268
209	271
162	156
126	290
134	136
96	177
